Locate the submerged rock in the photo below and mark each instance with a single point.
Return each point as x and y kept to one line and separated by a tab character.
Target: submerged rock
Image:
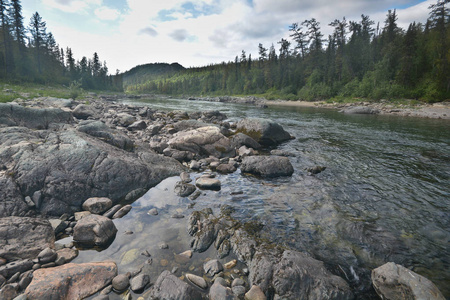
392	281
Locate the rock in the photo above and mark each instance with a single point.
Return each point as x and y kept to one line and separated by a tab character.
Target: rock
33	118
203	142
208	183
25	280
58	225
101	297
177	216
82	111
122	212
278	152
231	264
244	151
267	166
138	125
238	282
185	177
184	189
71	281
163	246
67	254
392	281
37	199
139	282
153	212
110	213
197	280
94	230
263	131
69	167
315	170
97	205
239	139
168	286
121	282
101	131
8	292
220	292
125	119
255	293
22	238
12	268
194	165
47	255
238	290
30	202
361	110
56	102
212	267
226	168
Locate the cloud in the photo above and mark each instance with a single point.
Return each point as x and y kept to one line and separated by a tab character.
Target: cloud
179	35
71	6
107	14
148	31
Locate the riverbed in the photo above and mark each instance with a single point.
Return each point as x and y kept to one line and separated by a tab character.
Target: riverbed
384	196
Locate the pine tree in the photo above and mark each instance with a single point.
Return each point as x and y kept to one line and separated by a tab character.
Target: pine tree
38	33
5	32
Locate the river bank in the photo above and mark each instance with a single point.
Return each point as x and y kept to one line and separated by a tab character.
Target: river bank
103	147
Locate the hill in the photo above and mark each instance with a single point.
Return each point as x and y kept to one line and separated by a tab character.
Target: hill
148	72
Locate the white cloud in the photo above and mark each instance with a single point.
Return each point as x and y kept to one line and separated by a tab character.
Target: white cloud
107	14
71	6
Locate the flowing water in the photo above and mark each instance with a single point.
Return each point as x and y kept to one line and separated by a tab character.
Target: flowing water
384	196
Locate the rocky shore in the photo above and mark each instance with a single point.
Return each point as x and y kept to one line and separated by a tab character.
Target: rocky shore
69	168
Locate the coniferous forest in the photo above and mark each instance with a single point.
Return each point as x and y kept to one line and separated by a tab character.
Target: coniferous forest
359	59
30	54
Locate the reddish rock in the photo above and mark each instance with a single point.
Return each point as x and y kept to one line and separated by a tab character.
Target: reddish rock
71	281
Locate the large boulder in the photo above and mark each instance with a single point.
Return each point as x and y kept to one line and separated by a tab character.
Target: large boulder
204	142
68	167
83	111
102	132
240	139
169	286
71	281
16	115
264	131
94	230
392	281
23	238
267	166
361	110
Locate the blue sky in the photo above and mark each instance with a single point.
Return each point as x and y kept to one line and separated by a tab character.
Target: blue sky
127	33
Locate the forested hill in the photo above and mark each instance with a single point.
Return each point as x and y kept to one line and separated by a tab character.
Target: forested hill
143	73
359	59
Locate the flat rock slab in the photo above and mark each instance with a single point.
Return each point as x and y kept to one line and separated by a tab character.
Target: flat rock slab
23	237
392	281
71	281
267	166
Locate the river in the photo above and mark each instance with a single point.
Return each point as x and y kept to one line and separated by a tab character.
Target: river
384	196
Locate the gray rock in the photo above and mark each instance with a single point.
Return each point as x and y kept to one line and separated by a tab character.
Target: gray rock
226	168
184	189
8	292
67	254
16	115
240	139
185	177
30	202
139	282
37	199
208	183
392	281
56	102
12	268
83	111
125	119
263	131
238	290
203	142
120	282
197	280
101	131
58	225
267	166
122	212
101	297
138	125
47	255
69	167
361	110
220	292
255	293
238	282
97	205
212	267
25	279
22	238
315	170
153	212
168	286
110	213
94	230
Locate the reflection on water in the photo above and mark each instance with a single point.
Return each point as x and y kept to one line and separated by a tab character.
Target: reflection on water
384	196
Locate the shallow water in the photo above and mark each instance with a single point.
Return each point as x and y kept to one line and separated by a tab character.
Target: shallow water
384	196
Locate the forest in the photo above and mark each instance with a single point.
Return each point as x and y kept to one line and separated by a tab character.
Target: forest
31	55
358	60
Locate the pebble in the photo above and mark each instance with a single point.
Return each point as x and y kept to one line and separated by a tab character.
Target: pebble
185	177
163	246
47	255
238	282
152	212
212	267
122	212
164	262
139	282
255	293
120	282
197	280
177	216
230	264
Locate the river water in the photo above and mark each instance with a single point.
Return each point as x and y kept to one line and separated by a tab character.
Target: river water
384	196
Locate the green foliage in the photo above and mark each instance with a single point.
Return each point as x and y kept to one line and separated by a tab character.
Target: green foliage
75	89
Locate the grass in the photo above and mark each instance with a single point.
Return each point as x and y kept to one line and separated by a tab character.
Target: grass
9	92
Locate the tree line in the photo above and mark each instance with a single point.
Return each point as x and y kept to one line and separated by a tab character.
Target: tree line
358	59
31	54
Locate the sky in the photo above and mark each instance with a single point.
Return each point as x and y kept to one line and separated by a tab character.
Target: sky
127	33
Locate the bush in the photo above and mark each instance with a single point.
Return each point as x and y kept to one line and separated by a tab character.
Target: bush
75	89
